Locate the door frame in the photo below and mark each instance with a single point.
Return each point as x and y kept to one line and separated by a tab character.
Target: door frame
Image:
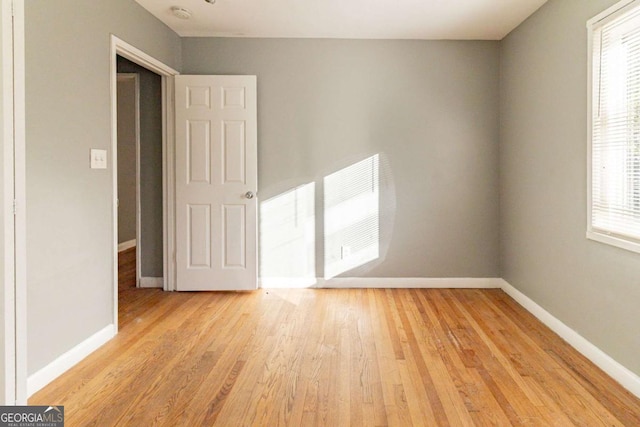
14	284
130	52
136	82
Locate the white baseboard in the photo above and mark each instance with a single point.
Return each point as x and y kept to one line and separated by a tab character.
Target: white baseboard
410	282
67	360
151	282
126	245
380	282
615	370
287	282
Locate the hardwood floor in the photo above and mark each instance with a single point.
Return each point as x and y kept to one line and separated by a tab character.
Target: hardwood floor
335	357
127	269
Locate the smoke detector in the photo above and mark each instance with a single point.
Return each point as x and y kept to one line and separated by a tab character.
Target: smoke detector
181	12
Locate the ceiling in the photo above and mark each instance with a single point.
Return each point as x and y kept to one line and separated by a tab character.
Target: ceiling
350	19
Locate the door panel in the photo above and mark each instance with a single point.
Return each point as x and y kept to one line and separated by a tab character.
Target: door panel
235	247
199	152
199	235
234	146
216	177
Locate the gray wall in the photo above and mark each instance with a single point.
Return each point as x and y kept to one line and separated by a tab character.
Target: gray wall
69	206
592	287
430	109
150	167
126	160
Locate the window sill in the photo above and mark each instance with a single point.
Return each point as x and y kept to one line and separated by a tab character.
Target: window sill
612	240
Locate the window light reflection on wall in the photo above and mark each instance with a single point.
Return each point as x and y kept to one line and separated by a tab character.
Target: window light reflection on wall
287	239
351	216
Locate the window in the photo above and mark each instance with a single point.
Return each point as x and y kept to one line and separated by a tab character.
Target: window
614	146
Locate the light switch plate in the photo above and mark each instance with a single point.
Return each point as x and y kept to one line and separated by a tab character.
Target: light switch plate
98	159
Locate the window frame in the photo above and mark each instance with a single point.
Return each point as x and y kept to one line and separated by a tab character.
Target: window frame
598	21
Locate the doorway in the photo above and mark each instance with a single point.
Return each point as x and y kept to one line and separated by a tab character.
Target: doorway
128	94
159	216
139	173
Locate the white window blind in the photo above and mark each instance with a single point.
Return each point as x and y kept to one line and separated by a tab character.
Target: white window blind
615	133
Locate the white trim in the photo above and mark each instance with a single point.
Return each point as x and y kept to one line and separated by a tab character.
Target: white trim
126	50
381	282
67	360
287	282
624	376
134	54
113	81
589	126
595	234
8	222
612	240
615	9
21	201
168	183
151	282
126	245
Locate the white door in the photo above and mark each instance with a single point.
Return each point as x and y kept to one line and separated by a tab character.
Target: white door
216	183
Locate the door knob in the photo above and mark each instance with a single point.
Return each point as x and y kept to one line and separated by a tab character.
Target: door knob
249	195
